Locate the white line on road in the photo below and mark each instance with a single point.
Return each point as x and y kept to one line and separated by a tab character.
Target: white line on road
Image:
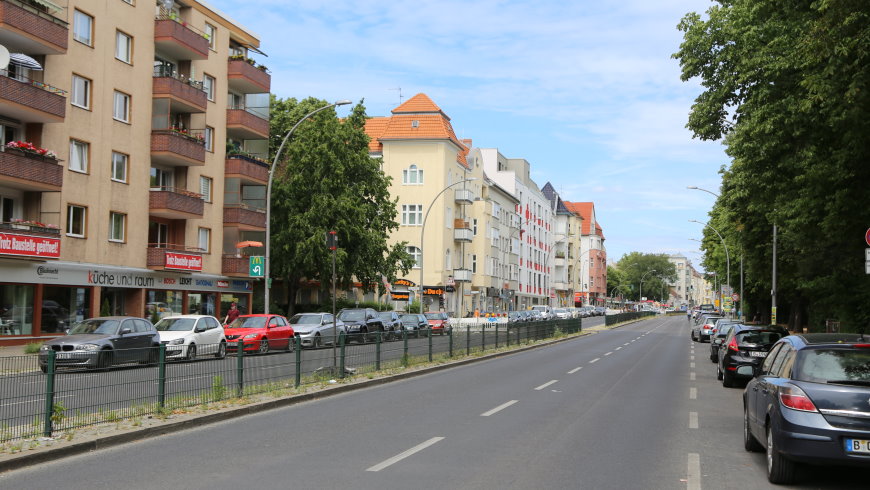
548	383
618	348
34	400
607	354
691	358
575	370
692	376
693	477
693	420
625	343
595	360
498	408
634	340
692	365
693	393
409	452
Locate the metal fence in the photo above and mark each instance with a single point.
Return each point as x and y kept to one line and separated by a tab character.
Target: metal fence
43	396
628	316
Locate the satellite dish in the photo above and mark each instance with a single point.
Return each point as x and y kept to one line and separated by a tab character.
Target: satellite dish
4	57
167	4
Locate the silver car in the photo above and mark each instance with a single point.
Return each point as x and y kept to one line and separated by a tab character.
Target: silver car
315	329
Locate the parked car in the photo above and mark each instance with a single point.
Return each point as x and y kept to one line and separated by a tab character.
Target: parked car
717	338
536	316
414	324
186	336
438	322
392	325
702	330
315	329
361	323
544	310
516	317
259	333
102	342
808	403
600	310
745	346
561	313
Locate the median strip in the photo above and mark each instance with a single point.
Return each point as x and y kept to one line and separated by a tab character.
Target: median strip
401	456
498	408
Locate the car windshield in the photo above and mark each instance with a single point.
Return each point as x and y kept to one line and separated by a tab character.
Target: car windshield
386	315
305	320
249	322
411	319
96	325
757	337
824	365
352	315
436	316
175	324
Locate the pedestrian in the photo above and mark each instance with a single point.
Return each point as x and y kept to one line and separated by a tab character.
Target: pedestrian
232	314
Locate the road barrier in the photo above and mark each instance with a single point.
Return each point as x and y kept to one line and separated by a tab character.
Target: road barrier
627	317
64	398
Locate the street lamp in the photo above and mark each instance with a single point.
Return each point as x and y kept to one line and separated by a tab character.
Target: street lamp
266	258
423	230
694	187
640	289
727	257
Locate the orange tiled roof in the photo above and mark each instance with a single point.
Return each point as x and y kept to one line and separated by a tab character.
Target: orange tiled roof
375	127
584	209
420	103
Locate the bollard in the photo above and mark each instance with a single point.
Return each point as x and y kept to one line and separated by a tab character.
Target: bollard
298	350
404	344
342	339
450	338
49	392
467	340
240	368
378	351
483	338
496	335
161	376
430	345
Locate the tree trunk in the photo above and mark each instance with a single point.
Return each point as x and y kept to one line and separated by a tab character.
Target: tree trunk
292	286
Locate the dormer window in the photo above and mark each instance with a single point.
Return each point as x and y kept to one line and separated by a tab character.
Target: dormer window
415	123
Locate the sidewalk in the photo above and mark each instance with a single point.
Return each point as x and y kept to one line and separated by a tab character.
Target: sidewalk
12	350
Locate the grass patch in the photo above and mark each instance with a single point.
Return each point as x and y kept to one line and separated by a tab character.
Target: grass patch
32	348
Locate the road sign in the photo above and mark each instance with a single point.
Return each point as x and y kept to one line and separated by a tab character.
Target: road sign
256	265
735	297
727	305
867	254
867	266
773	315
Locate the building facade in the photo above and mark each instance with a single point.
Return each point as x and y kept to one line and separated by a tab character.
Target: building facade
590	287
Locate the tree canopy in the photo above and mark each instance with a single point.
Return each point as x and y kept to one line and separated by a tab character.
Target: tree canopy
785	87
655	270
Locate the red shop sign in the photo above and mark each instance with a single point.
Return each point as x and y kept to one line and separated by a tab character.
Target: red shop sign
183	262
29	246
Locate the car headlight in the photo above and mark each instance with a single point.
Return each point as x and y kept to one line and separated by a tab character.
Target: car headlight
251	336
176	342
300	332
44	348
89	347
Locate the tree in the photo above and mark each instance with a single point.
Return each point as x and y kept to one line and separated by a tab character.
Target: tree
655	270
327	181
785	89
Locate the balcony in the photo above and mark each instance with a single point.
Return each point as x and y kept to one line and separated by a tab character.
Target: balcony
172	203
245	125
29	100
184	95
235	265
560	261
246	168
32	28
29	239
463	235
246	78
174	257
177	149
463	196
179	40
245	217
30	172
462	275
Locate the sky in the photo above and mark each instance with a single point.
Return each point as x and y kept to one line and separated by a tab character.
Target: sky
585	90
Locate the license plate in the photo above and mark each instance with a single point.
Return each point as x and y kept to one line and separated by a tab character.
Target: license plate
232	344
64	355
858	446
756	353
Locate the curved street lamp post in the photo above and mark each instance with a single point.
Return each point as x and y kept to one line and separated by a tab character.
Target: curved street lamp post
727	256
640	288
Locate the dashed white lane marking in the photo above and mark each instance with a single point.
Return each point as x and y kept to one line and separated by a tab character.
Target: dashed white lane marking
395	459
693	420
693	393
625	343
548	383
692	376
634	340
691	358
693	476
498	408
575	370
35	400
608	353
692	365
595	360
618	348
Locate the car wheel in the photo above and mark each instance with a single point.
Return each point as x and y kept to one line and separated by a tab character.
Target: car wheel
779	469
727	379
718	373
104	360
291	344
264	346
222	350
750	443
43	368
363	336
318	342
191	352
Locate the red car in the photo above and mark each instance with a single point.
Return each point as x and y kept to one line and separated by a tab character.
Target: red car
259	333
438	322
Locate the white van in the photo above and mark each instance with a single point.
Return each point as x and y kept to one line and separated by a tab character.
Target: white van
545	310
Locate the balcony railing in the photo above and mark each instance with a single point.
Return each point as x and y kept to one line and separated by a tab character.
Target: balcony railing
245	217
463	196
463	234
30	100
173	147
246	78
30	20
31	227
29	171
186	95
246	167
175	37
172	203
245	124
462	275
235	265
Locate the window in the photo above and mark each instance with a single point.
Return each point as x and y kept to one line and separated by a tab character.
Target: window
474	226
123	47
205	188
204	239
473	264
80	95
412	176
117	227
78	156
208	85
121	111
412	214
83	28
415	254
158	234
75	224
162	179
210	34
119	166
208	138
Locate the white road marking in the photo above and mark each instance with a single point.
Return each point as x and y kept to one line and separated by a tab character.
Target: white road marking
608	353
595	360
692	365
548	383
625	343
498	408
575	370
634	340
693	393
692	376
618	348
409	452
693	420
34	400
691	358
693	477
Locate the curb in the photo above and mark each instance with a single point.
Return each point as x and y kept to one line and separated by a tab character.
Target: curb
50	454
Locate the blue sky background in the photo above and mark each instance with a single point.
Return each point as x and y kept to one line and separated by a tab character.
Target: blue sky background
585	90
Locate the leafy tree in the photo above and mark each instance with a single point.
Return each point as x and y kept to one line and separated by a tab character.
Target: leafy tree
326	180
655	270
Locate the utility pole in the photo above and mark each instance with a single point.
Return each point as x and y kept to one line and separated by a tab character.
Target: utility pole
773	289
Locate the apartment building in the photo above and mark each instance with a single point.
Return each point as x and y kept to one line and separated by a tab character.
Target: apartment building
591	278
566	227
134	138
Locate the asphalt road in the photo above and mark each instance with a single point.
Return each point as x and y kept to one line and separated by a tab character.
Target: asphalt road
623	409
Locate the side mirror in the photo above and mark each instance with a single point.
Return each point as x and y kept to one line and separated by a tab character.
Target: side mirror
199	329
125	331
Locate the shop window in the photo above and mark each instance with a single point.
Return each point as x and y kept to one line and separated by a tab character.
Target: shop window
201	303
63	307
16	309
159	303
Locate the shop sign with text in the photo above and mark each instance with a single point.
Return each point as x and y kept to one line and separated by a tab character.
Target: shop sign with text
183	262
29	246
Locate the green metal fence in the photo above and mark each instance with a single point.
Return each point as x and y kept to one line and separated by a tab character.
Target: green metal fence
628	316
61	399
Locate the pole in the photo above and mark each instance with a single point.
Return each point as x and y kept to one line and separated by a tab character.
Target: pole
773	290
742	309
334	321
266	264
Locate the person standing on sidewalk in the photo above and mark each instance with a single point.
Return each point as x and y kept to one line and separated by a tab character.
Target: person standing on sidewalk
232	314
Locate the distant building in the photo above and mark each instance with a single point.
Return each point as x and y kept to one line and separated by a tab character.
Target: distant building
591	280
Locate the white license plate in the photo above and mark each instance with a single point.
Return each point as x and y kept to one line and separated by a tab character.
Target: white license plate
64	355
858	446
756	353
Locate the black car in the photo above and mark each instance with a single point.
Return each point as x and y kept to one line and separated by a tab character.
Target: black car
718	335
745	346
415	324
361	324
808	403
101	342
392	325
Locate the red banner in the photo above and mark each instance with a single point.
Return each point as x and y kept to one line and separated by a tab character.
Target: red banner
183	262
29	246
